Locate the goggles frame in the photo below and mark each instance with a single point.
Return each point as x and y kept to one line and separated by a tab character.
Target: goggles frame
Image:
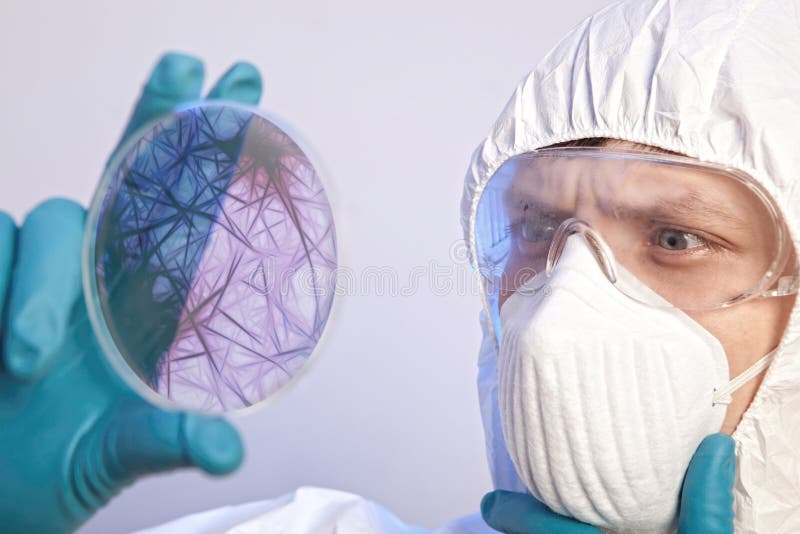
765	287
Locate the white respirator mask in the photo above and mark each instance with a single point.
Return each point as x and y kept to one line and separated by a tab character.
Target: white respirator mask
604	399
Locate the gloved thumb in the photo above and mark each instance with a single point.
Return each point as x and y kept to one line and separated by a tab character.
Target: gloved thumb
707	498
150	440
140	440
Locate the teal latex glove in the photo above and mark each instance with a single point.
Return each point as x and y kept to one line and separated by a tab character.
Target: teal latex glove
706	500
72	434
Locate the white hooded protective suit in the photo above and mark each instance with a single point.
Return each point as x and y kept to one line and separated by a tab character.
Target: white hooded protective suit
717	80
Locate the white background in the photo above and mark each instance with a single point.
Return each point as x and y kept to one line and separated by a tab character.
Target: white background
393	98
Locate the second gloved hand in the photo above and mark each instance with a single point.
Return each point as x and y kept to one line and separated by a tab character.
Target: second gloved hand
706	500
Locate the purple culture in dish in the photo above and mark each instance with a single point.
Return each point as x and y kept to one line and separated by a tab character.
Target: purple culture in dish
215	257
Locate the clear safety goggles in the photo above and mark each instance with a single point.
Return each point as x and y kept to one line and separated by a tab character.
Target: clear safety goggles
700	236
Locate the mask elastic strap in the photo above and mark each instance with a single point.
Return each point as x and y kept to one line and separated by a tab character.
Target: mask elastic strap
723	395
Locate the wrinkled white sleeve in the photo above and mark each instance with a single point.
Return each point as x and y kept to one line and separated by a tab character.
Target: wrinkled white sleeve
306	511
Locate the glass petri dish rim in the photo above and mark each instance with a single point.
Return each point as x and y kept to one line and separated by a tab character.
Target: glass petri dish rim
111	352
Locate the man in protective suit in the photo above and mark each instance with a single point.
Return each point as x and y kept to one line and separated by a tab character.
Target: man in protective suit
704	91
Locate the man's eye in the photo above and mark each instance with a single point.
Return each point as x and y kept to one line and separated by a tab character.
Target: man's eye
679	240
537	231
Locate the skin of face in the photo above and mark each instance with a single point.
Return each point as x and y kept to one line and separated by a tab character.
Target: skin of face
740	233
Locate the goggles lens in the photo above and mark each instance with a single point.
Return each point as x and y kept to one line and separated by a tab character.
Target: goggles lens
700	236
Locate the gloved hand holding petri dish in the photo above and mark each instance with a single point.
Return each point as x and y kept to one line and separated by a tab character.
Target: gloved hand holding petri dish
210	258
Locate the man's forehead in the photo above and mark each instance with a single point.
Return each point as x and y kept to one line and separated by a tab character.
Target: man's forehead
560	180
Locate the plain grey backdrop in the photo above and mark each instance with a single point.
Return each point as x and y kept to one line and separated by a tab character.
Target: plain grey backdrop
393	98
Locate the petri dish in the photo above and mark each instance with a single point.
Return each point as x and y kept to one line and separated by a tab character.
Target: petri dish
210	258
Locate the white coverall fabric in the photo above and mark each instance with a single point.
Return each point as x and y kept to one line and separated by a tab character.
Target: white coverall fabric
309	511
718	80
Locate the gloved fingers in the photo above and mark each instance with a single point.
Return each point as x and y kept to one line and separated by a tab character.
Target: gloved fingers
146	440
8	244
241	83
46	286
176	79
707	497
520	513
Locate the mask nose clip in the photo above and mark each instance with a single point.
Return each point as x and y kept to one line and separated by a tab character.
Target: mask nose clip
600	249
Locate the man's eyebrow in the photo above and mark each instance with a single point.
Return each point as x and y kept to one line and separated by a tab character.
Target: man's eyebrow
525	202
691	206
